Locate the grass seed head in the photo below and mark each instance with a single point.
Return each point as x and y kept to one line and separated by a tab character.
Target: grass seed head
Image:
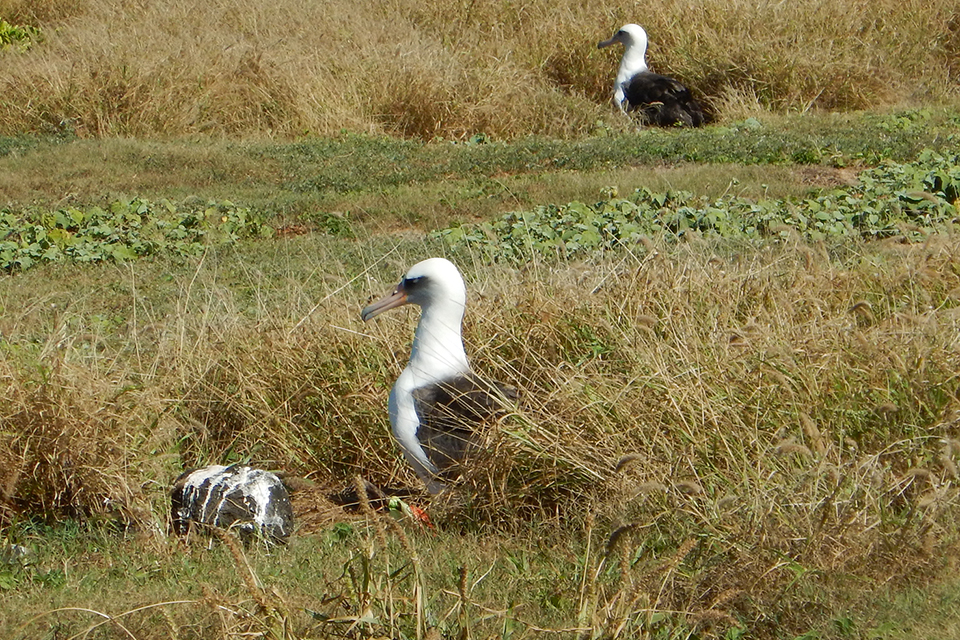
791	446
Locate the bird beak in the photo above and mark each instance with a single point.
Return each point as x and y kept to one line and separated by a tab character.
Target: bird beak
396	299
607	43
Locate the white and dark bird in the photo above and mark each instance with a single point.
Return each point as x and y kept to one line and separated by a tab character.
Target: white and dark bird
252	501
438	403
661	100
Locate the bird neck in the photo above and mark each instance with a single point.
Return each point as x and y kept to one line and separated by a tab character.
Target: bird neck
437	351
633	62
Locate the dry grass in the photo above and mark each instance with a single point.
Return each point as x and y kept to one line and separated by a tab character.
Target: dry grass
751	430
237	67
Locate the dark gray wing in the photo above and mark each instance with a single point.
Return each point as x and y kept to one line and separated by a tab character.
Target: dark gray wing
450	413
663	101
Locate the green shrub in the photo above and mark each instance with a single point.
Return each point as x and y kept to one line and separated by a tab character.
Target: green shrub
21	37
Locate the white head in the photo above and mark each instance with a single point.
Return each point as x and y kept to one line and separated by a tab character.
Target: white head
631	36
435	280
437	287
634	41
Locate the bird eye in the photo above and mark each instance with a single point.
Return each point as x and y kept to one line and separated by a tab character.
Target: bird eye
412	282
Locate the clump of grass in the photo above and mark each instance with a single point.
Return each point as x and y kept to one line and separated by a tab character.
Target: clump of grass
36	12
232	67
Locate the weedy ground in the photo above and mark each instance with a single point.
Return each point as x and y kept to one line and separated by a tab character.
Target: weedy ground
711	439
714	438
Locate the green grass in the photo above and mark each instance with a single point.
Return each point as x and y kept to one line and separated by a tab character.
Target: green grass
358	184
351	577
384	183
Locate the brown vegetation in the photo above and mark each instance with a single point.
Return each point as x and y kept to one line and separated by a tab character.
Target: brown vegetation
450	68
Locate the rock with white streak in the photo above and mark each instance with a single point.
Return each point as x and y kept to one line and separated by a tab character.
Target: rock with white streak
252	501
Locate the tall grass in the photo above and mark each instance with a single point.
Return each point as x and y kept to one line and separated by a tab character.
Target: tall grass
451	68
740	432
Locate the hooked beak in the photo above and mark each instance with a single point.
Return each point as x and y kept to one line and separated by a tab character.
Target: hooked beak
606	43
396	299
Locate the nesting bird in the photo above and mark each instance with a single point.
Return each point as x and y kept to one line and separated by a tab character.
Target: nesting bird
661	100
252	501
437	403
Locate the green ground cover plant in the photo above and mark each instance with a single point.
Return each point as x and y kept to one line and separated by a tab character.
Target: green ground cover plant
17	36
125	230
915	198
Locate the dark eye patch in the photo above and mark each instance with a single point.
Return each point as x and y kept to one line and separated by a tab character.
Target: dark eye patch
409	283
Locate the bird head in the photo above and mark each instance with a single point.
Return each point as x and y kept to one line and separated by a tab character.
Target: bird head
630	36
432	281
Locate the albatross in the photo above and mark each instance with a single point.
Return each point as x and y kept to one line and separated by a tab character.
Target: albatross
437	403
660	99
